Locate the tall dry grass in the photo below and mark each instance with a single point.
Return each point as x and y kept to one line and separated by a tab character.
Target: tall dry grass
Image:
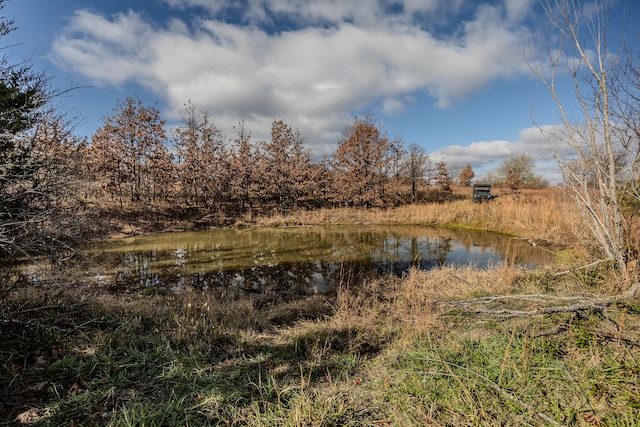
418	299
544	215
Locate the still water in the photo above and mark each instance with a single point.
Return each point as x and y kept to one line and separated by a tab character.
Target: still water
300	260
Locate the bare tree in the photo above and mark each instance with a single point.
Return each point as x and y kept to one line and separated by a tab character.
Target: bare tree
454	172
518	171
416	165
587	148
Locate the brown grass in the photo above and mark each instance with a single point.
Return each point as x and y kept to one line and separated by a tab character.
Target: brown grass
545	216
418	298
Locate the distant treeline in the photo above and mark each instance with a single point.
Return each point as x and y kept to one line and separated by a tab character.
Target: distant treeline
132	159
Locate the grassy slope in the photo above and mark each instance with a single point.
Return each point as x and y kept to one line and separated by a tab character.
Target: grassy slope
393	352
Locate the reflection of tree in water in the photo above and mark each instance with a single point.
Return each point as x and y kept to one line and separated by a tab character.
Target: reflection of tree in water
515	250
294	261
301	278
424	253
440	249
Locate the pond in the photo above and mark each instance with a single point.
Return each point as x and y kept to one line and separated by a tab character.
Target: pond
296	260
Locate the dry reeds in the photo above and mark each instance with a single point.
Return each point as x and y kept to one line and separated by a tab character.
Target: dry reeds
418	299
544	215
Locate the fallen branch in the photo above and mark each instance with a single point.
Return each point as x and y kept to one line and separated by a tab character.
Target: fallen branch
529	298
575	308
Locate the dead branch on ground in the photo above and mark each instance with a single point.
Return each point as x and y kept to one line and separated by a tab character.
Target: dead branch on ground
546	304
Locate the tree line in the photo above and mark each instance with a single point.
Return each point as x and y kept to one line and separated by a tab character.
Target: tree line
132	159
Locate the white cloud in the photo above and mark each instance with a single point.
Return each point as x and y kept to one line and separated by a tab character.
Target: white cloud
517	10
395	106
485	156
340	58
106	51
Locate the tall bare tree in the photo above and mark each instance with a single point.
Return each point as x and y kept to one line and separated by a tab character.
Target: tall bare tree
587	148
416	165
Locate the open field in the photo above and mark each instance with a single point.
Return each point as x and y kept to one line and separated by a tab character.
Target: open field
446	347
546	216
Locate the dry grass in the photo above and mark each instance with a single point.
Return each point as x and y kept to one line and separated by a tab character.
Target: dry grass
544	215
418	299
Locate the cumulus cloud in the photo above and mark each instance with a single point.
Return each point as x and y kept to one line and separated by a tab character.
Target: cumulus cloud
107	51
311	62
486	156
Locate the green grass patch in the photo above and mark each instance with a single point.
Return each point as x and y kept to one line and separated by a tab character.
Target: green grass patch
166	360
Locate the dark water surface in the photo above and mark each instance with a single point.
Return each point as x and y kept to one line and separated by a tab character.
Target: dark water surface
301	259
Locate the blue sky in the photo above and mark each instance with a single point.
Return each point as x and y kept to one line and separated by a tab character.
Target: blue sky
449	75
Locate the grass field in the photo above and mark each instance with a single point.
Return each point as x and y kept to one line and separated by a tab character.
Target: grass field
545	215
446	347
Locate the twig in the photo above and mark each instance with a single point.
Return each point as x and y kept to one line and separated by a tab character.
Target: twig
521	297
561	273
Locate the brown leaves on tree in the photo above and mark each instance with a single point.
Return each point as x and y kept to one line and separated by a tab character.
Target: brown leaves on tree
284	167
129	154
466	175
203	166
360	164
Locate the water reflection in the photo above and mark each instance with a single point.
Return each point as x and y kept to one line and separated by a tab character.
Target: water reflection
298	260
